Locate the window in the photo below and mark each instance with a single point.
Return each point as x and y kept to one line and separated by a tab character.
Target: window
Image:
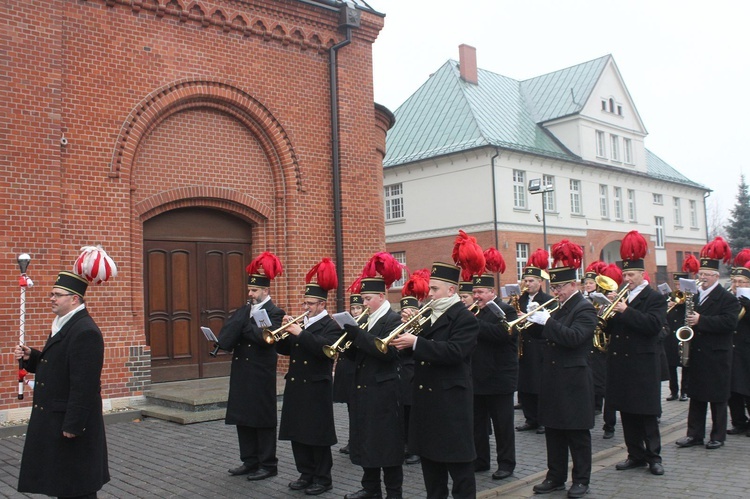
400	257
603	201
618	203
615	147
604	105
659	224
677	213
611	105
519	189
575	197
601	147
627	151
522	256
631	205
693	214
619	110
658	199
394	202
548	198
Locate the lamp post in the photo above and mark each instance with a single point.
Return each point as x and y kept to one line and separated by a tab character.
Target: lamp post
537	187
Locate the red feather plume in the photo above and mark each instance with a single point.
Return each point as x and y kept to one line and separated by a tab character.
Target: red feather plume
539	259
325	271
646	277
356	286
633	246
494	261
613	272
692	265
268	262
596	267
718	249
468	255
418	284
385	265
567	254
742	258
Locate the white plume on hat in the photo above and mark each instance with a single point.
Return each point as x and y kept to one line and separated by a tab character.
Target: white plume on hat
95	265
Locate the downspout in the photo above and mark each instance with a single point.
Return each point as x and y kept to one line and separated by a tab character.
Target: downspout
705	213
494	206
348	18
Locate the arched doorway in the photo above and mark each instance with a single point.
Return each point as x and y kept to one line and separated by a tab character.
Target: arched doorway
611	252
194	261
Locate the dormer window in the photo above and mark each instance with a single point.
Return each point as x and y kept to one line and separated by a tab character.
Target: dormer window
610	106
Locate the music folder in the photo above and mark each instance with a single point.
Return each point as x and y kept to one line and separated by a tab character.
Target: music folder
664	288
743	292
495	309
688	286
210	336
512	289
261	318
344	318
599	299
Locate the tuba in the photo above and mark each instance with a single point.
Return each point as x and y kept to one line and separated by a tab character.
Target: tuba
685	333
413	326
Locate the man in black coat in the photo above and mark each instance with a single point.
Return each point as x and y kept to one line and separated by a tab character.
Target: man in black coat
566	400
307	411
494	367
376	419
252	381
65	453
406	361
675	320
710	357
442	413
343	372
739	401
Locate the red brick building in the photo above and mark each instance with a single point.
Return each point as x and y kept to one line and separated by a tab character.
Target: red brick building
186	137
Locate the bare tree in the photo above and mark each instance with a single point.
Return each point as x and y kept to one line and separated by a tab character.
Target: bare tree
715	218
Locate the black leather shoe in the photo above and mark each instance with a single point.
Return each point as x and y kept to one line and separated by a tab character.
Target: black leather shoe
672	397
578	490
240	470
317	488
656	468
688	442
501	474
608	434
629	464
344	449
714	444
261	474
527	427
683	398
736	430
540	430
299	484
364	494
413	459
548	486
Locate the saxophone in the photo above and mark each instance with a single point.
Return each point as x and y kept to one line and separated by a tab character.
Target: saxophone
685	333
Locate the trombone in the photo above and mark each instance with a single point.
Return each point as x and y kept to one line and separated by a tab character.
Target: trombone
413	326
279	334
331	350
510	325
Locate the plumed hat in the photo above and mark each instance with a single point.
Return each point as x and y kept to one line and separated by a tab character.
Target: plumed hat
418	285
324	273
93	266
714	253
632	251
567	258
537	264
263	269
594	269
380	272
742	264
468	255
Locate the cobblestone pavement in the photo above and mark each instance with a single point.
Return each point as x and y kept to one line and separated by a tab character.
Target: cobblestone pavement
158	459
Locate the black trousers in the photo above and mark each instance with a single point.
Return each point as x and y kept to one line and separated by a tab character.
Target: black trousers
609	416
393	477
257	447
530	407
559	442
673	385
436	479
407	415
642	437
314	462
697	420
498	409
739	408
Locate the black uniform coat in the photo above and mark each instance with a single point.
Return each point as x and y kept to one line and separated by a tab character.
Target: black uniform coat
252	382
634	355
675	320
307	412
406	359
710	372
441	426
494	363
530	363
598	363
343	380
741	357
376	417
67	398
566	399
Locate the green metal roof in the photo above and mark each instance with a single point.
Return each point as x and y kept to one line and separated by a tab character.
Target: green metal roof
657	168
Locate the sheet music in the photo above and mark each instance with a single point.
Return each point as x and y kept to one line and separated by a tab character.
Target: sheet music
210	336
600	299
495	309
261	318
513	289
688	286
743	292
664	288
344	318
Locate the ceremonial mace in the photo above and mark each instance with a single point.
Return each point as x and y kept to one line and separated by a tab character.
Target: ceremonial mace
24	282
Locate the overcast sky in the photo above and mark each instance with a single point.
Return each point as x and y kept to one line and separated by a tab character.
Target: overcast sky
685	64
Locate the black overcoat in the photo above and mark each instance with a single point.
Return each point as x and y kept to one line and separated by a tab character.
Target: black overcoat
675	320
634	355
441	425
343	380
252	381
566	399
741	355
494	363
376	418
530	363
710	364
67	397
307	411
406	359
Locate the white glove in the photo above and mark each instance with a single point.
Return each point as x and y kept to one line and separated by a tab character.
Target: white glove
539	317
532	305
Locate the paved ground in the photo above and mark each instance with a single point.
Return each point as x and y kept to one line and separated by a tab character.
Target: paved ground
158	459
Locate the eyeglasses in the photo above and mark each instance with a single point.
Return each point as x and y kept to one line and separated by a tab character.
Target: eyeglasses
310	303
557	287
57	296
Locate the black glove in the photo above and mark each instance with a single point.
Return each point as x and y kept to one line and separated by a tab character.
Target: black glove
351	332
745	302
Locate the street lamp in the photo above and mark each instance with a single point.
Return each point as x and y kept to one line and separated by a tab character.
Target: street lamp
537	187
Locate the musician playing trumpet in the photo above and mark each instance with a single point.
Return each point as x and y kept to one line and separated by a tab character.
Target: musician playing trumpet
739	401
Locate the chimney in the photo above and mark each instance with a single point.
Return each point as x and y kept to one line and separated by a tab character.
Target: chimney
467	63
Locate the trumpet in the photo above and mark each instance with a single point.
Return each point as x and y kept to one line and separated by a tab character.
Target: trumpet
474	308
331	350
675	298
279	334
413	326
510	325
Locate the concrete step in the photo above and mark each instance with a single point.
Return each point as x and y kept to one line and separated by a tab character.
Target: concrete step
182	416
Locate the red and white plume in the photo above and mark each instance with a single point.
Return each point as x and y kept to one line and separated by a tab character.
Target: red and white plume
418	284
596	267
567	254
692	265
268	262
95	265
718	249
468	255
494	261
385	265
325	274
613	272
539	259
742	258
633	246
